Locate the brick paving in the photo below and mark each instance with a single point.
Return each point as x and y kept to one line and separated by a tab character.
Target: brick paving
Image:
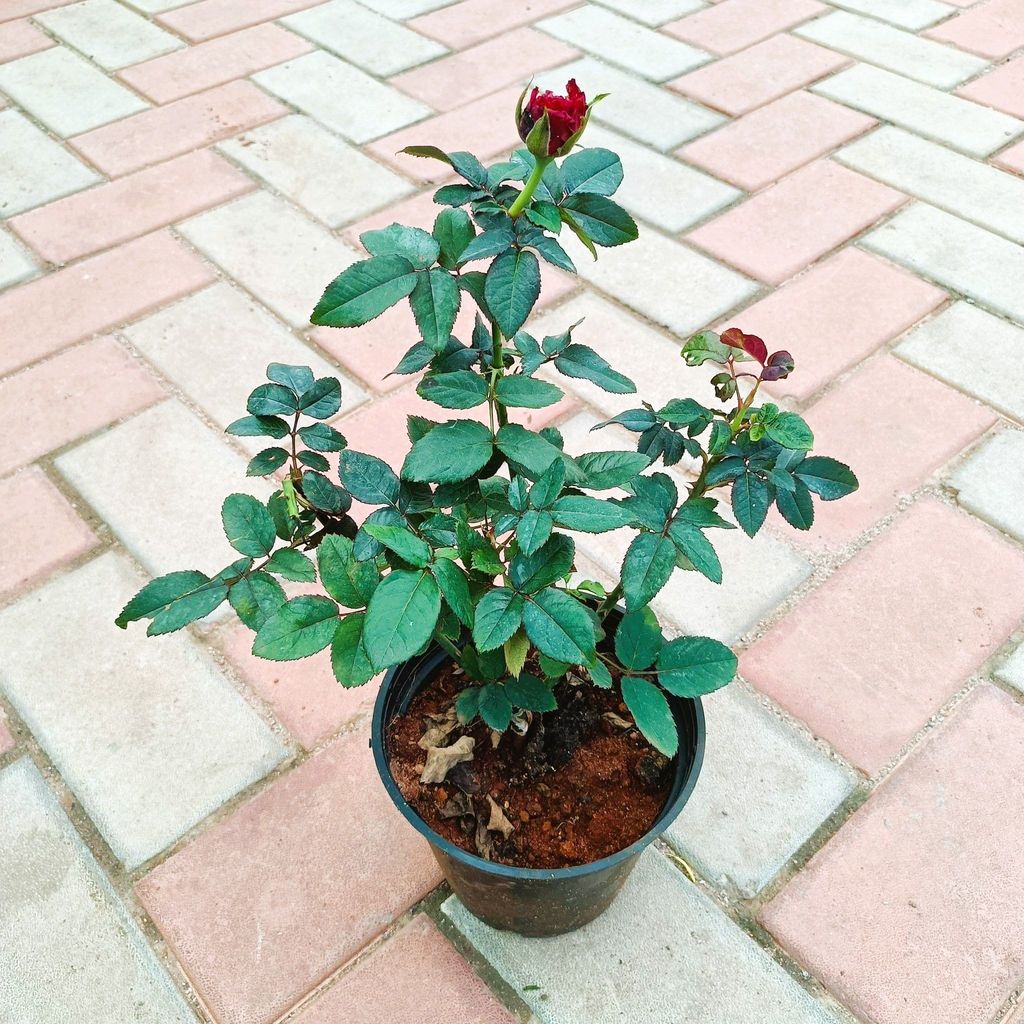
189	834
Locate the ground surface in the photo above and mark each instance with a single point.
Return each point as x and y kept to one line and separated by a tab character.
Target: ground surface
187	833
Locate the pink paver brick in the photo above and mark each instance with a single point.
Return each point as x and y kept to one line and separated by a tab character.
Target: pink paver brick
176	128
22	8
779	231
30	508
308	701
1013	158
822	318
266	904
94	295
71	395
867	658
215	62
472	21
210	18
856	423
483	126
912	912
1002	88
375	350
512	57
767	144
758	75
415	976
130	206
736	24
6	736
20	38
993	29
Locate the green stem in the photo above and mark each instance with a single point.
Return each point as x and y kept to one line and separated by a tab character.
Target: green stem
524	197
448	646
497	371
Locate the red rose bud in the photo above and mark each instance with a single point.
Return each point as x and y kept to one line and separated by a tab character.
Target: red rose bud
750	343
779	366
550	124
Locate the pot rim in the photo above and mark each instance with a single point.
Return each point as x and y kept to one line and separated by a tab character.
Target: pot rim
430	661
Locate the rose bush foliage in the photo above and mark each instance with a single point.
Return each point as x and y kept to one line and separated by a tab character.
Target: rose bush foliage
470	545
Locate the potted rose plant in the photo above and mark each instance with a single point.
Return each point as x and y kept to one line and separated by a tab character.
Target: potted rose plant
537	728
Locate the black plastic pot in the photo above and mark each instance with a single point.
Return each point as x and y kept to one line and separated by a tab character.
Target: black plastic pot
531	901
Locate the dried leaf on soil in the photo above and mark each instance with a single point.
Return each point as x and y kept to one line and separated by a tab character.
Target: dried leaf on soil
438	727
441	760
498	822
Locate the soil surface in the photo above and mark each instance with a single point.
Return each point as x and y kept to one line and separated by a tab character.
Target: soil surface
581	784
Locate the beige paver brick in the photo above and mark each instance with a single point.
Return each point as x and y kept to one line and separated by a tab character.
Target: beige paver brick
472	21
65	92
365	38
108	33
209	18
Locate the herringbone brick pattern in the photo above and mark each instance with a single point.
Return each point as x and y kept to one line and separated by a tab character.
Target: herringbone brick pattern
190	834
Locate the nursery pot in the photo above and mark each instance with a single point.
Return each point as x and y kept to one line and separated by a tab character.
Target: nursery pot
531	901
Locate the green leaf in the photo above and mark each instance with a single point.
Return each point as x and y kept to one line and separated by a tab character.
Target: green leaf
314	460
704	346
272	400
560	627
402	542
552	562
511	289
450	452
551	251
322	437
255	598
368	478
551	668
582	362
646	568
516	648
697	549
796	506
297	378
266	462
401	617
684	412
533	530
350	582
460	389
188	608
292	565
299	628
419	247
652	714
605	470
548	486
364	291
323	399
589	515
577	230
519	392
258	426
467	704
751	497
694	665
526	448
721	435
789	430
248	525
158	594
598	171
498	615
492	242
544	215
638	639
453	230
494	706
529	692
599	675
462	163
828	478
325	494
454	589
348	655
603	220
435	304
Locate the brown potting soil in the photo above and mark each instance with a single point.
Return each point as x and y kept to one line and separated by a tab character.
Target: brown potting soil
581	784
